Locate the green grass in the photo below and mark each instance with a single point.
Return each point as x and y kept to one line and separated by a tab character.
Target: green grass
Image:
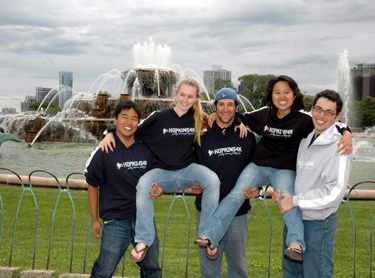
176	239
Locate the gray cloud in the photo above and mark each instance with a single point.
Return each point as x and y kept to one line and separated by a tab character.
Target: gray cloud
302	38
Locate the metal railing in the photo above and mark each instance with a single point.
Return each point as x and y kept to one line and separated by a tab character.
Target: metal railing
259	201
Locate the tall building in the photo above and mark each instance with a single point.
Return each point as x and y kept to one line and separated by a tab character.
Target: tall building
66	87
210	76
25	104
46	94
363	81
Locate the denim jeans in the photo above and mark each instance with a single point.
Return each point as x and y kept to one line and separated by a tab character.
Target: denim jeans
171	181
233	245
318	258
255	176
117	235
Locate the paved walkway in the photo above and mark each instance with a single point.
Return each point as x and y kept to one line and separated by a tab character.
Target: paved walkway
7	272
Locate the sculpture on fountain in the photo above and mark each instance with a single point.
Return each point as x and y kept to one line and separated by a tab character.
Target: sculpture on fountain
7	137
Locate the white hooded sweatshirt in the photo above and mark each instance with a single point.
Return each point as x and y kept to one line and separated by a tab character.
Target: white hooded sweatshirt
322	175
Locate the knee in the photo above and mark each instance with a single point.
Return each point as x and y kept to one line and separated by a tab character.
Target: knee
144	184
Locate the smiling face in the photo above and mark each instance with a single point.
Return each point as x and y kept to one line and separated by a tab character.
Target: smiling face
283	98
126	123
185	97
226	111
320	119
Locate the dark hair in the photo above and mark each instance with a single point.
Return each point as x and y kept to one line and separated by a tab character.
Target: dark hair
297	103
332	96
126	106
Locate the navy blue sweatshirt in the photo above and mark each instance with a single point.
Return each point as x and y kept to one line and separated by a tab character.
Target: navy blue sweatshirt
281	138
225	153
116	174
279	146
169	137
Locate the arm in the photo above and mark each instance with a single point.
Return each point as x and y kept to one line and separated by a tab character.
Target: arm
345	145
243	130
108	142
93	203
211	119
330	189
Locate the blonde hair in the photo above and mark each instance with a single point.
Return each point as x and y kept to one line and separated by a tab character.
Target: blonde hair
199	116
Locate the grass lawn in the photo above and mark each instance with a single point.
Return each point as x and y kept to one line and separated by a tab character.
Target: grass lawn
174	257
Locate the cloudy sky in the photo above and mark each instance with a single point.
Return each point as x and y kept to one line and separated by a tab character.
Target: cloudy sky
302	39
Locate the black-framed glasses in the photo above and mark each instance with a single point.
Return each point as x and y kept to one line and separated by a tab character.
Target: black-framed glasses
328	113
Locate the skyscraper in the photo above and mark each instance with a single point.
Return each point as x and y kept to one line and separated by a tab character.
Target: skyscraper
66	87
210	76
363	81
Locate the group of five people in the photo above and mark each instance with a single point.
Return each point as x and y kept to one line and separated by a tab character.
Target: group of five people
179	147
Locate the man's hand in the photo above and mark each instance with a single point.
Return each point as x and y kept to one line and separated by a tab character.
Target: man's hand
276	196
286	203
95	229
157	191
251	193
196	189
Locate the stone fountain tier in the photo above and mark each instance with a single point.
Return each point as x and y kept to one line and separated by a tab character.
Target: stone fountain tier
83	129
105	106
148	82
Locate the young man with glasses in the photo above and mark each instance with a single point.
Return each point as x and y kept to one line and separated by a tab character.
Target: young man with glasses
321	181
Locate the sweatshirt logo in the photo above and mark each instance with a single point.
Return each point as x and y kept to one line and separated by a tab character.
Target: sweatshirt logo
305	164
174	131
131	165
278	132
225	151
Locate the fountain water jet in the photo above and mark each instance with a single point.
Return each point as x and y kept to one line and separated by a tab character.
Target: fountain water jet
344	84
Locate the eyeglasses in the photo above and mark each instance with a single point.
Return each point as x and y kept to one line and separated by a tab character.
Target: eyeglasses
328	113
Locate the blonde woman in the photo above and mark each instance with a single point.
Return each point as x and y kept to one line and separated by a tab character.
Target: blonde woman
170	134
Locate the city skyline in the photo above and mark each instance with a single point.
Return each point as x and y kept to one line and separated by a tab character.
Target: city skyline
302	39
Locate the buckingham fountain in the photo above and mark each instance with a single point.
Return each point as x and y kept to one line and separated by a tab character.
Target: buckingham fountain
86	115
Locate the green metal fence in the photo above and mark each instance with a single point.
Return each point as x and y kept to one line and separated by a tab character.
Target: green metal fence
28	189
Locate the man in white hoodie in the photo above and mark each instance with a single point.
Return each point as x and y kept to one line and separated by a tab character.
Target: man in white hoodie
321	181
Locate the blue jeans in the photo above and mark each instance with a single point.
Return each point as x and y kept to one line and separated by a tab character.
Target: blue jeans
117	235
318	258
256	176
233	245
171	181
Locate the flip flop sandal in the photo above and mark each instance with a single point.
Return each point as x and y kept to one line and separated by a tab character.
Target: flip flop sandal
211	247
202	242
293	254
206	243
144	250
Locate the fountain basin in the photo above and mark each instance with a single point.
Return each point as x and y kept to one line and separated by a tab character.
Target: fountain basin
88	129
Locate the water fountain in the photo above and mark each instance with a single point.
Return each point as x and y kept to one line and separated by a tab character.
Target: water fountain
344	85
86	115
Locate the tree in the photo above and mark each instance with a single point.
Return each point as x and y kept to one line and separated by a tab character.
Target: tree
254	88
52	110
366	112
222	83
308	102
